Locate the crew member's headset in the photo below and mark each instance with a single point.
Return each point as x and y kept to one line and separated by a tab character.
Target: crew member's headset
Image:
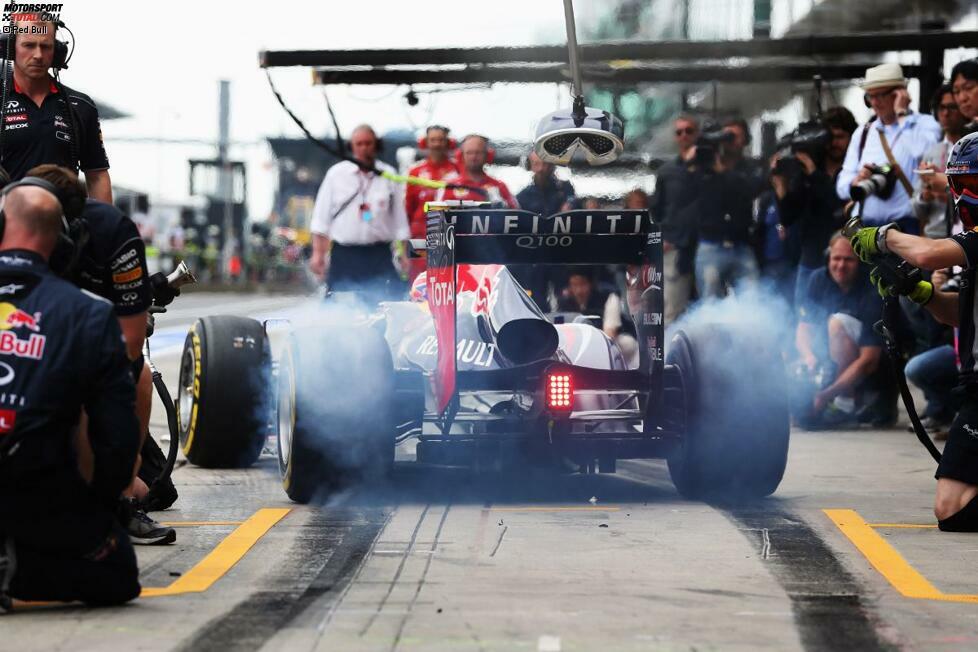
348	146
73	235
61	53
423	141
490	151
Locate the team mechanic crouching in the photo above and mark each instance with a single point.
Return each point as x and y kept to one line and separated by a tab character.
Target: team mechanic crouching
956	504
111	263
61	351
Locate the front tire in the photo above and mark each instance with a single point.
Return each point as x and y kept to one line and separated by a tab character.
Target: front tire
223	398
335	410
737	421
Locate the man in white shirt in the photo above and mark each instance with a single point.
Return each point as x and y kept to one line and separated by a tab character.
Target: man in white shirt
907	140
357	219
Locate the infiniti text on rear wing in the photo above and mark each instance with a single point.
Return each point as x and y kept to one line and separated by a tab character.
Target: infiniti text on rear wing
507	236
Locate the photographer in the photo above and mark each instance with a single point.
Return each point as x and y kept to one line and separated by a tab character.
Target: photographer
880	166
59	535
727	186
804	184
836	341
956	506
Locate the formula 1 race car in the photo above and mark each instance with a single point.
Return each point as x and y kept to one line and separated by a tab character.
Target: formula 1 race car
477	372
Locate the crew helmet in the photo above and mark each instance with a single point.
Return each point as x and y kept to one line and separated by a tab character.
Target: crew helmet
962	177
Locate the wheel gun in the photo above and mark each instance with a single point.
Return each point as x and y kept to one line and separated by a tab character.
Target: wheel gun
894	270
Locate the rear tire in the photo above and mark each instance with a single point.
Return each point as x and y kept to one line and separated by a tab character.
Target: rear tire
223	397
335	410
737	422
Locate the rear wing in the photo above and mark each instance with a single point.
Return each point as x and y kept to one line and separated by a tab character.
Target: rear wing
507	236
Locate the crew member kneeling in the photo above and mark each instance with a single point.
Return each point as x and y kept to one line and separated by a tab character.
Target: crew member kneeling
61	350
956	505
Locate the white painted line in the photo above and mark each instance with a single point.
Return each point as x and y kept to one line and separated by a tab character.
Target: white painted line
548	644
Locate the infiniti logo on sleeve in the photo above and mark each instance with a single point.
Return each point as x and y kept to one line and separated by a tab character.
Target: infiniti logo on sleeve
6	374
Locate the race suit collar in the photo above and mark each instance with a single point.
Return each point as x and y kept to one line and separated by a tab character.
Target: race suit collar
52	87
22	259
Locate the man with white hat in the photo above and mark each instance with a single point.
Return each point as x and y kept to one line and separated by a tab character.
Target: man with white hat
887	143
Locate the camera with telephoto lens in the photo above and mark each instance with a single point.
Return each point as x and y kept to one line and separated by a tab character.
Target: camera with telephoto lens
810	137
881	182
711	139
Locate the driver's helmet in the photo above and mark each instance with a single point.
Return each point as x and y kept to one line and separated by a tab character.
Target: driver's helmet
962	176
419	288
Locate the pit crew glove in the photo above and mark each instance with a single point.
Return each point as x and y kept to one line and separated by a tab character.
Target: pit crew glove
920	294
870	241
163	294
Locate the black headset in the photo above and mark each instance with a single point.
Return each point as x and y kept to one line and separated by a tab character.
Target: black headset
60	62
61	53
71	239
378	147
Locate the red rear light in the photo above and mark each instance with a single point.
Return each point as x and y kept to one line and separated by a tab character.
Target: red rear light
560	391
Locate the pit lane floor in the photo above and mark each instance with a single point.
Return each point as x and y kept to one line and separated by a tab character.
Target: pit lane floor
450	560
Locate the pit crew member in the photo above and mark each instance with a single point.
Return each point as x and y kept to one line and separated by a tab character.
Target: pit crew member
436	166
111	263
474	153
47	122
61	351
955	505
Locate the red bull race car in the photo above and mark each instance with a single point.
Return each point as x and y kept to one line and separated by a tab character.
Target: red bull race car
477	374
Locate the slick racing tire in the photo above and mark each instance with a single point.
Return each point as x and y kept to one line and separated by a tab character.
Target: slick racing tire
335	410
736	406
223	401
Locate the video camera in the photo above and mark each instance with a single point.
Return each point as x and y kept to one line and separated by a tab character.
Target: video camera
880	183
711	139
811	137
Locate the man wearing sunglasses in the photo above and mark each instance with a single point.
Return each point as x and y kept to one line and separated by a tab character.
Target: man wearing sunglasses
887	142
956	503
676	190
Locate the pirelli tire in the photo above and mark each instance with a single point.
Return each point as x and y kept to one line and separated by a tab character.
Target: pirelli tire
223	400
335	410
736	405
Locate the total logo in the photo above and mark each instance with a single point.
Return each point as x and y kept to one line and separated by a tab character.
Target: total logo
13	317
440	294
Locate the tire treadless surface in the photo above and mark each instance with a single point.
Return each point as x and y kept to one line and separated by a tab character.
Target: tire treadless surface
830	608
342	537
